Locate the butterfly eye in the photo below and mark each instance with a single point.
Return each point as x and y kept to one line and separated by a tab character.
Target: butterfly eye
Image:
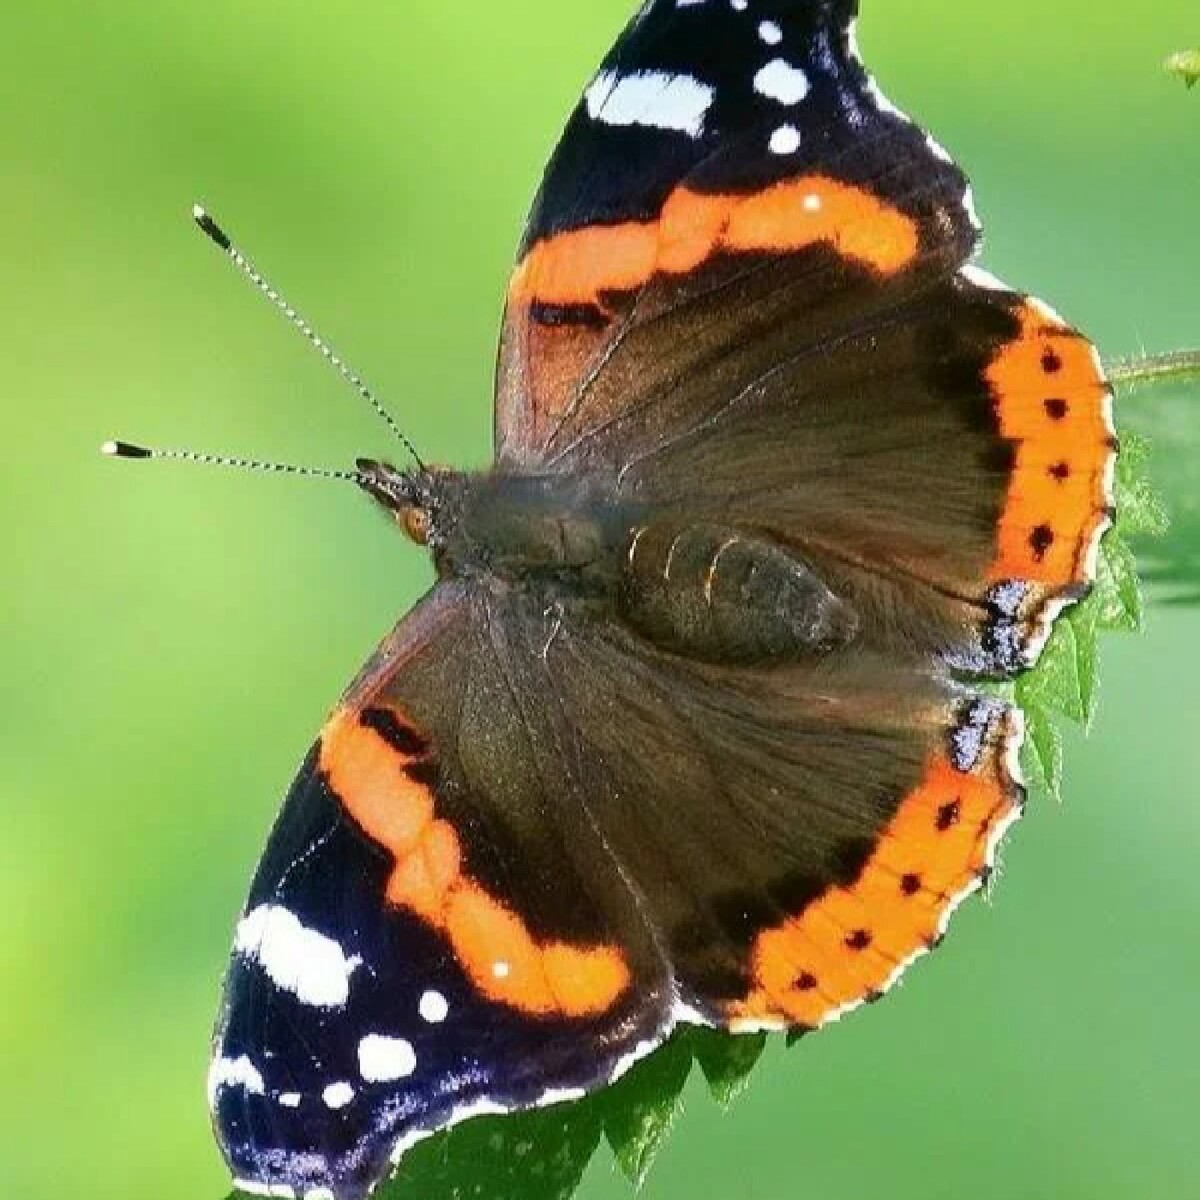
416	523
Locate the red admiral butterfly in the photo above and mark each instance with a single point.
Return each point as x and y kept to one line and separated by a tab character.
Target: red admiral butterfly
690	728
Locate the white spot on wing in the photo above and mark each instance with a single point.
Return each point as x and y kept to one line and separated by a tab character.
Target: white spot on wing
770	33
433	1007
289	1099
234	1072
337	1095
785	140
385	1059
299	960
654	99
781	81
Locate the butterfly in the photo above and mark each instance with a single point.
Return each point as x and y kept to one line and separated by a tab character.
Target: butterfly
693	726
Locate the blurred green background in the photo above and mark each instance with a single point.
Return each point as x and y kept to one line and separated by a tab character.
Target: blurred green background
173	637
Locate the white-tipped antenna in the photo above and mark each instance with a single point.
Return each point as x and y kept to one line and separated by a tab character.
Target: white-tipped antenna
116	449
222	241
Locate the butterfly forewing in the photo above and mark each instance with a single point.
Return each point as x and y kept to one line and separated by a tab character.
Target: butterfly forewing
728	149
437	927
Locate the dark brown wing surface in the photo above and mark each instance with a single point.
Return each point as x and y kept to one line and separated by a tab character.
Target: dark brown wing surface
795	835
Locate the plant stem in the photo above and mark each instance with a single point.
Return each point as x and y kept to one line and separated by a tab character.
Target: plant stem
1180	365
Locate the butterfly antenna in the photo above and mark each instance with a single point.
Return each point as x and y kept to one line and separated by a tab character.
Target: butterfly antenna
222	241
116	449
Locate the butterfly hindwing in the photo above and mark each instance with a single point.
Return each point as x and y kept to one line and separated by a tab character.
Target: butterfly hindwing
822	818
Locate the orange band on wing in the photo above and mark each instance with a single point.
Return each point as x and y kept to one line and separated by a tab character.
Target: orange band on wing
395	807
854	941
577	267
1052	400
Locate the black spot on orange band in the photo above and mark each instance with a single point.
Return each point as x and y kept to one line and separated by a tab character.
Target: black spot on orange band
851	943
1051	401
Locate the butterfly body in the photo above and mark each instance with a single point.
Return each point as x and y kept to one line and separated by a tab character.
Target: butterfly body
691	725
713	591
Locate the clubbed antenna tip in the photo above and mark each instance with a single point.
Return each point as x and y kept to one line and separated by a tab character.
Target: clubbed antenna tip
115	449
210	228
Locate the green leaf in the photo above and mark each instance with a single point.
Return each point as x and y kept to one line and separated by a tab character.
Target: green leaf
1185	64
539	1155
1084	619
726	1061
639	1110
1140	510
1067	675
1042	754
1055	684
1118	589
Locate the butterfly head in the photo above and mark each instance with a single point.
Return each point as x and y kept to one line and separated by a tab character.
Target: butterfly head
420	502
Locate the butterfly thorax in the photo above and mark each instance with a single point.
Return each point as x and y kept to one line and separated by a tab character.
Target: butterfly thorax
546	532
696	587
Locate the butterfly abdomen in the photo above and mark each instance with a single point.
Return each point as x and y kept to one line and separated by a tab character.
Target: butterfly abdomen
720	594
